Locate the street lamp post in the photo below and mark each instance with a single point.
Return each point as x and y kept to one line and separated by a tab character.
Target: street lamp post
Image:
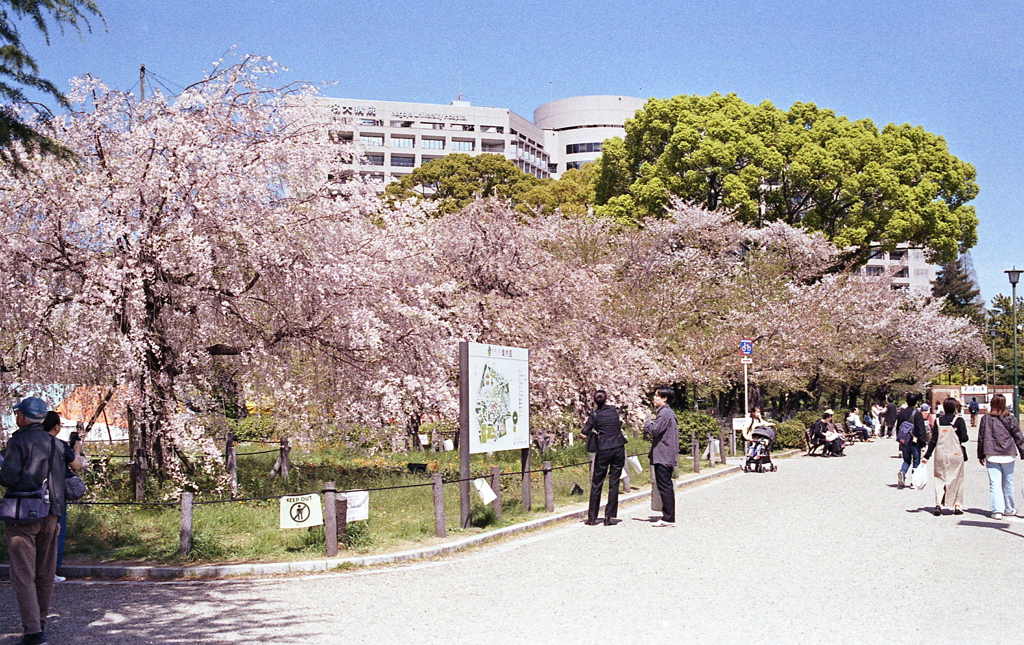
1014	275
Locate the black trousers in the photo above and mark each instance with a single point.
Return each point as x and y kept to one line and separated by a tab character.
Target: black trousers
663	480
605	460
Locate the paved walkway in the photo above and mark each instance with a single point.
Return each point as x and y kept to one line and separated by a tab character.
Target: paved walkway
823	551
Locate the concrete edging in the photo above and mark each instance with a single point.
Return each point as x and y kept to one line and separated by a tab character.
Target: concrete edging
111	572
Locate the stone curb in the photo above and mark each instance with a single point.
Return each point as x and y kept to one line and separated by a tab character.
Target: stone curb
113	572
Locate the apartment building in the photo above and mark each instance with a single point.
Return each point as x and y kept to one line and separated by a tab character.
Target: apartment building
907	267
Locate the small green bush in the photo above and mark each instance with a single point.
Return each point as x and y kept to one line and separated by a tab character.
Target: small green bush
806	417
701	423
790	434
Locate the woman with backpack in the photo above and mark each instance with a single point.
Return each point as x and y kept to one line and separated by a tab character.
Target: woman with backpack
948	436
999	442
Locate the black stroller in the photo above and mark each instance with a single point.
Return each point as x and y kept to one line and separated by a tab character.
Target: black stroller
759	450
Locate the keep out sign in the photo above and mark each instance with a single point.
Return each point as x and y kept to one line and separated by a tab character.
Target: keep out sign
298	511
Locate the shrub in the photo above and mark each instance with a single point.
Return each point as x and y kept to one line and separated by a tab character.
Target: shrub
806	417
790	434
701	423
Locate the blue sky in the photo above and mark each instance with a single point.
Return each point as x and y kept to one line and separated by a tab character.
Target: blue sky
955	67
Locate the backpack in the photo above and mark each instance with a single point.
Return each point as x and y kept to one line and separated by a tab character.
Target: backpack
972	407
905	433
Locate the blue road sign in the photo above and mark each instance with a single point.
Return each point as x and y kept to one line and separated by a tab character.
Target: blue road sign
747	347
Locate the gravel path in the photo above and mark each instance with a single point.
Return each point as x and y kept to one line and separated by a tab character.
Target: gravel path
823	551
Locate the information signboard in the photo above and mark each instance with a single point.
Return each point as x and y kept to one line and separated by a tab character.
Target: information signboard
499	398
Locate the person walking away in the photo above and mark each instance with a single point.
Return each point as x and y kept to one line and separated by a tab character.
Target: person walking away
75	461
973	408
912	435
664	453
999	442
890	419
604	426
949	433
31	462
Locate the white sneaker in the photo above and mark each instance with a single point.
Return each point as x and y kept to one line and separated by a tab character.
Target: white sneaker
59	578
661	523
997	516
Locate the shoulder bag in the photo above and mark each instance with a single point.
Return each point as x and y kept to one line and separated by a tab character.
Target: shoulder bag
30	507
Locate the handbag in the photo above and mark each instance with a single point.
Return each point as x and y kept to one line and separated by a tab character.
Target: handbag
920	478
74	488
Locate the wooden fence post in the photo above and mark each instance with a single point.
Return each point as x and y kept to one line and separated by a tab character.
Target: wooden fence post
439	525
694	452
281	465
496	487
341	513
138	472
625	476
524	459
231	463
330	519
711	450
721	448
549	488
185	526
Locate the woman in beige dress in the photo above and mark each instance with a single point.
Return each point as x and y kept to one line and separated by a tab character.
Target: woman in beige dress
949	433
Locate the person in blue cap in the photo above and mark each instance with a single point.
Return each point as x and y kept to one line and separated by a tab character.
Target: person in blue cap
33	458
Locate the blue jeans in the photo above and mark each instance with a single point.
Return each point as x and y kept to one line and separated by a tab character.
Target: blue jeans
910	453
1000	487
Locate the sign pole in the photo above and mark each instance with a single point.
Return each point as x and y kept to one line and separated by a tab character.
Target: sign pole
464	434
746	398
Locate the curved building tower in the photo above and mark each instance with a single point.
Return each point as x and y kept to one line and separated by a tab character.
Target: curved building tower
575	127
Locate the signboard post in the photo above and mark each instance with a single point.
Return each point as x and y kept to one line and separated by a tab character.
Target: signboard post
747	350
494	407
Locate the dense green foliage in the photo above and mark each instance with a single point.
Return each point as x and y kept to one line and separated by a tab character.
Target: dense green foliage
790	434
957	287
700	423
455	180
856	183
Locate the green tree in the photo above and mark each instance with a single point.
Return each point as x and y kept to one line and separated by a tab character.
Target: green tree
572	192
19	132
957	287
806	167
457	179
999	320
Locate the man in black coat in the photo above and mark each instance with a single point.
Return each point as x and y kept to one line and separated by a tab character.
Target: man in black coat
32	457
889	420
603	431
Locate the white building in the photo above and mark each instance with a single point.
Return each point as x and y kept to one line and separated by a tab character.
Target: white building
906	266
397	137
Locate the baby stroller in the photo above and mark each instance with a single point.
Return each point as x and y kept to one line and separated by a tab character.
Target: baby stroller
759	450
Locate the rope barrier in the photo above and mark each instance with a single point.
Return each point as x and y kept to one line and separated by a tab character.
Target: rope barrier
261	452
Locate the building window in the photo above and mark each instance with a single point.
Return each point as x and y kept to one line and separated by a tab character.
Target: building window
466	127
402	142
552	167
374	159
920	273
373	123
403	161
467	146
492	128
371	139
902	273
877	255
373	176
573	165
435	126
492	146
576	148
898	256
427	158
339	136
875	271
401	124
432	144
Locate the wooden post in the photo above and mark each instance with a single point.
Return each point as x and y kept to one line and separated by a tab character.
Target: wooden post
625	476
524	460
330	519
341	513
185	526
439	527
231	463
281	465
496	487
721	448
549	488
694	451
711	451
138	472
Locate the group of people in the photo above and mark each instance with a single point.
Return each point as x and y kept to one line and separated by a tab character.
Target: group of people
941	436
36	460
607	445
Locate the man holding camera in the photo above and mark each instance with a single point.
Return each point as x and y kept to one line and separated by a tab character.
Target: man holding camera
33	463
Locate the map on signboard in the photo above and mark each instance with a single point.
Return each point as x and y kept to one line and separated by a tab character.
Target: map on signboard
499	398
